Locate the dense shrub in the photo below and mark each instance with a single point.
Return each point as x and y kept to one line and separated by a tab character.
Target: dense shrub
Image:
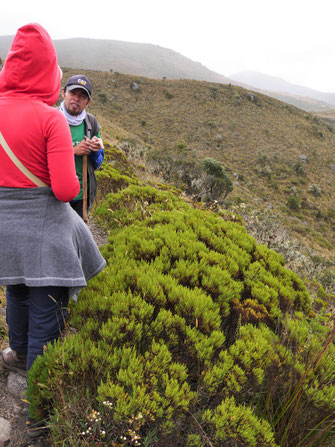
218	182
293	202
206	181
315	190
193	335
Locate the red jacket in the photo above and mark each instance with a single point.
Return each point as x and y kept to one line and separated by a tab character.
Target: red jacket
37	133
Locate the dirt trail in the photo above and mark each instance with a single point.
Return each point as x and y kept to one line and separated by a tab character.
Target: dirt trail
12	408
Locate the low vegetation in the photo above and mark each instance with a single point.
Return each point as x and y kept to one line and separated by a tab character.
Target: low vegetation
193	335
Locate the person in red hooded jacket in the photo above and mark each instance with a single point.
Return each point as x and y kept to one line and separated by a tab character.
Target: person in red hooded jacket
47	252
29	85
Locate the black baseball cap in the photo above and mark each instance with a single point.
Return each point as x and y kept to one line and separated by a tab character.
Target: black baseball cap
79	81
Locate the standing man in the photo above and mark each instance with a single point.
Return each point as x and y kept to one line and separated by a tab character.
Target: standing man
85	131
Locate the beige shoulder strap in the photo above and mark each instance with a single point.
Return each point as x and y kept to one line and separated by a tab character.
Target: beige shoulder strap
18	164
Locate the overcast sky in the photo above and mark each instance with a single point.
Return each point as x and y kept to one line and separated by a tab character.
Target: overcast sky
292	39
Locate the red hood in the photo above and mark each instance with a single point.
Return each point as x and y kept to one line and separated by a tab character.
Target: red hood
31	67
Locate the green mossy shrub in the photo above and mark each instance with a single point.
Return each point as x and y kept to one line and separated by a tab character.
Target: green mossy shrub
115	173
192	335
293	202
238	424
118	160
133	203
110	180
194	441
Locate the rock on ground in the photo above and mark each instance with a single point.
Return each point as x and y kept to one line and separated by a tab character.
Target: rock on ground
5	430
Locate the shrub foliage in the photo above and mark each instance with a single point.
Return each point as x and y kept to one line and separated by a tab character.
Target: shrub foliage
193	335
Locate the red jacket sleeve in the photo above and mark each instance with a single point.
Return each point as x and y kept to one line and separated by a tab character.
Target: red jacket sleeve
60	158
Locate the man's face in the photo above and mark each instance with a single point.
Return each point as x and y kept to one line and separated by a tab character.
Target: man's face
75	100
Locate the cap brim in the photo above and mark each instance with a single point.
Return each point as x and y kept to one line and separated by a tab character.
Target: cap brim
74	86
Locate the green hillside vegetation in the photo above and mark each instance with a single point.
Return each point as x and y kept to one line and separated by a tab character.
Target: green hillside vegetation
193	335
280	158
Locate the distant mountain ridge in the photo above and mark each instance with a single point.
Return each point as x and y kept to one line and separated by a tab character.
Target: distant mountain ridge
155	62
139	59
275	84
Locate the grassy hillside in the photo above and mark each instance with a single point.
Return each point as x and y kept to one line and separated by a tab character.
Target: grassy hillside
280	158
194	335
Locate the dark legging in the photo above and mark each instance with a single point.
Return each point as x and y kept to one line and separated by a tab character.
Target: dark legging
77	205
35	316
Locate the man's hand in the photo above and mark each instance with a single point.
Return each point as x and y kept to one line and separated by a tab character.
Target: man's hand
82	148
95	144
87	146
